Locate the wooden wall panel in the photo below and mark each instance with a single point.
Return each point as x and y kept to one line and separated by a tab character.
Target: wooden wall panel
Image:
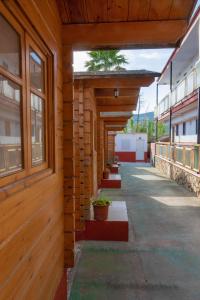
31	214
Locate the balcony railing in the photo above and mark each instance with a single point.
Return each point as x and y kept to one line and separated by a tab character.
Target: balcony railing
185	87
11	157
187	156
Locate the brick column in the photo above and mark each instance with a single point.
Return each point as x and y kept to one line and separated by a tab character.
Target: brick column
79	153
69	157
105	147
111	146
87	149
100	148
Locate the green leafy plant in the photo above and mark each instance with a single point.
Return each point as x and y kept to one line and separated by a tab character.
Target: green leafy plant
101	201
106	60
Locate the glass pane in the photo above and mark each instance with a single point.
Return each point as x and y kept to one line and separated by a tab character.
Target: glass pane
37	128
190	82
181	91
10	127
36	71
9	47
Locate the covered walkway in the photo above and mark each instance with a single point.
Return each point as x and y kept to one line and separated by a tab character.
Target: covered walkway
161	260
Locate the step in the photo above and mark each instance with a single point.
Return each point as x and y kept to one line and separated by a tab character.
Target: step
115	228
114	169
114	181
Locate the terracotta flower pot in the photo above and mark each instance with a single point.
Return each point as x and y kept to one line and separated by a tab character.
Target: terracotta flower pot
101	212
106	174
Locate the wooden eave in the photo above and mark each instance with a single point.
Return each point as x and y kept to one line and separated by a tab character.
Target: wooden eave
124	24
109	92
116	108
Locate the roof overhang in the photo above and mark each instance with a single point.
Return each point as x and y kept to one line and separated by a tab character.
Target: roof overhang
185	55
116	93
124	24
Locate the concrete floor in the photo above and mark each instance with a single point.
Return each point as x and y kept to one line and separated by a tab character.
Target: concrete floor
161	261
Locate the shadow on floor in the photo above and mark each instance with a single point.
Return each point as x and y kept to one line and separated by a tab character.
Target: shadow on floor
161	260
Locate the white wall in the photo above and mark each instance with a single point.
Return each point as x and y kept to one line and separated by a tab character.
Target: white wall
126	142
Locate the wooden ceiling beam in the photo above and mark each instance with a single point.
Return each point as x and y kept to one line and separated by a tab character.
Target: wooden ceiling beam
116	119
117	101
119	82
110	123
122	92
135	34
110	128
107	108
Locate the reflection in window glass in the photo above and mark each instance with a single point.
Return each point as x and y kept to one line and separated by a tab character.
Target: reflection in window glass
36	71
181	91
190	83
10	127
9	47
37	129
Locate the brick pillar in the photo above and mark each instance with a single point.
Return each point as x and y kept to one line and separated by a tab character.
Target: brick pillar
100	148
105	147
111	146
87	149
79	153
69	156
82	156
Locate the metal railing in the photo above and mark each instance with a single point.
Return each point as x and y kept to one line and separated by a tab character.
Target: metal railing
187	156
10	158
185	87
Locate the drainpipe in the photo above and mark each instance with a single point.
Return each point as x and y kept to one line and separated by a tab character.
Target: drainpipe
198	118
157	112
170	110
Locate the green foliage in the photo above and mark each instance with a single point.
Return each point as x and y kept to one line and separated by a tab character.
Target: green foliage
162	130
102	60
102	200
146	126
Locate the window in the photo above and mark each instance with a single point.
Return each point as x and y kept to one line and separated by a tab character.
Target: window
177	129
24	102
184	128
10	48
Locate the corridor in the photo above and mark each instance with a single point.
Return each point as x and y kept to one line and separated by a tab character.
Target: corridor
161	261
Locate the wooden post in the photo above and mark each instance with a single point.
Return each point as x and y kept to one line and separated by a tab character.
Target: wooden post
69	157
192	158
170	110
183	157
198	118
157	112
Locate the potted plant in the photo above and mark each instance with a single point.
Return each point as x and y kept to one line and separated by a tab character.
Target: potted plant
106	173
101	206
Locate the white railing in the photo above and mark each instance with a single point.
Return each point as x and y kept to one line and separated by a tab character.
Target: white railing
186	155
183	89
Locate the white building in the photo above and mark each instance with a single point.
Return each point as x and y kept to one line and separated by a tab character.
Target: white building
131	147
182	75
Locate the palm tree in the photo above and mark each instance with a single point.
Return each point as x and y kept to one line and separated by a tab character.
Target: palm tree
102	60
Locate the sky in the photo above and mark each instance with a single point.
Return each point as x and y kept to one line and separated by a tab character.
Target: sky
149	59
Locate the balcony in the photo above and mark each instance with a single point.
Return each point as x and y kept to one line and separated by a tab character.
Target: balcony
181	92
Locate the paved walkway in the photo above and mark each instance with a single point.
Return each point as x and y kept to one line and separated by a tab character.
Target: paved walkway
161	261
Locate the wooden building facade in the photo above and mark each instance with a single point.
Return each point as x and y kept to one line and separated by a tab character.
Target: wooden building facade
54	140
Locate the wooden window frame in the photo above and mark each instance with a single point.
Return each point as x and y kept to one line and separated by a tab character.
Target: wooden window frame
44	96
27	41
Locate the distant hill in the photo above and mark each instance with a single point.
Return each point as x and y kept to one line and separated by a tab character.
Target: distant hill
145	116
